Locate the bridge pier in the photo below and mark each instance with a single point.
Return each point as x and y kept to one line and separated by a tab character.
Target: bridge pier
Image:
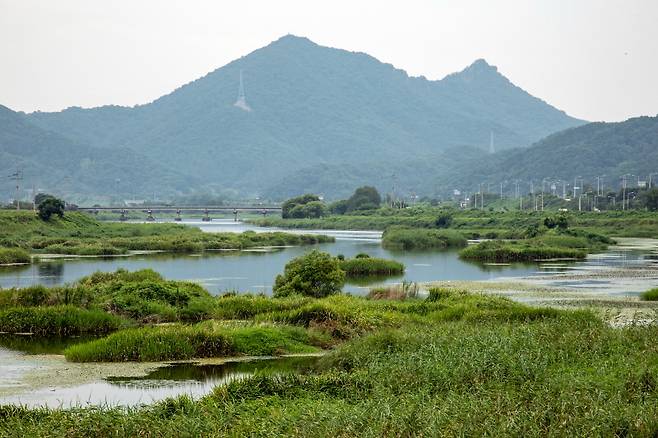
206	217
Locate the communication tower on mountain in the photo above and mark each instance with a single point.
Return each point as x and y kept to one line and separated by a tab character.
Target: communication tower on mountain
242	99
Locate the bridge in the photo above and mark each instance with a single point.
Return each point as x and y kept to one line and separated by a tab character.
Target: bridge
186	208
206	210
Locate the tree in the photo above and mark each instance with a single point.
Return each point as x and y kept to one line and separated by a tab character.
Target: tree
40	197
651	199
443	220
49	207
338	207
313	209
364	198
290	204
316	274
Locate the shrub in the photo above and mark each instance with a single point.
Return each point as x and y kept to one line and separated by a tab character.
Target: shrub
315	274
650	295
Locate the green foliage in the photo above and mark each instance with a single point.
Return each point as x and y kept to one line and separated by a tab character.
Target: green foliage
338	207
650	295
408	238
57	320
208	339
650	199
10	256
364	198
49	207
560	221
363	266
443	220
77	233
315	274
313	209
299	201
496	251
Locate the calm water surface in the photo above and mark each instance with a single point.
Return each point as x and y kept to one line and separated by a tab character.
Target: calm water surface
254	271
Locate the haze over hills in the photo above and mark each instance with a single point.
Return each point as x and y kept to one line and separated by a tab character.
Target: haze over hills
53	163
313	110
602	149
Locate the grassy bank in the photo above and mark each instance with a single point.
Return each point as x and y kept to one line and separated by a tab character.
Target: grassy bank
421	238
178	342
10	256
142	296
458	364
79	234
478	223
58	320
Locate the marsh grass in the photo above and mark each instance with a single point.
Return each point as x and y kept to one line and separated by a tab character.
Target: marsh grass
565	374
401	291
10	256
79	234
58	320
177	342
521	251
368	266
421	238
650	295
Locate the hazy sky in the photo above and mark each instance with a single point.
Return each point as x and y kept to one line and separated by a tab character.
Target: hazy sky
595	59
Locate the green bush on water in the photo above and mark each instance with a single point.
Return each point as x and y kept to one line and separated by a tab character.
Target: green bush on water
364	266
177	342
421	238
650	295
14	255
58	320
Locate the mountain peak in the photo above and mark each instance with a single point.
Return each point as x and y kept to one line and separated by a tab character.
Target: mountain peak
292	40
480	67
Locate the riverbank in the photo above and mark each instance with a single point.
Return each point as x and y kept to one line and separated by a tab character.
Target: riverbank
77	234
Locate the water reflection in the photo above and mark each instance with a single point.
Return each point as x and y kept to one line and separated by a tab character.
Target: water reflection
168	381
40	345
255	270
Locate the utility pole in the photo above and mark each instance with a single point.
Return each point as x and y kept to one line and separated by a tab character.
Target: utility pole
18	177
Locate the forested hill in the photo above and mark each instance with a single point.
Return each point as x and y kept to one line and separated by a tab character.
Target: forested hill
595	149
51	162
311	107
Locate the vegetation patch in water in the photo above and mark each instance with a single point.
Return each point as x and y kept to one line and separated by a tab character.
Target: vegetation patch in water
368	266
421	238
10	256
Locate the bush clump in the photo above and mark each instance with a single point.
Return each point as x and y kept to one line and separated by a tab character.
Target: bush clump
316	274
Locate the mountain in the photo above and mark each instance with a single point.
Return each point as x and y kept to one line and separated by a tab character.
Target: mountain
315	109
56	164
588	151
